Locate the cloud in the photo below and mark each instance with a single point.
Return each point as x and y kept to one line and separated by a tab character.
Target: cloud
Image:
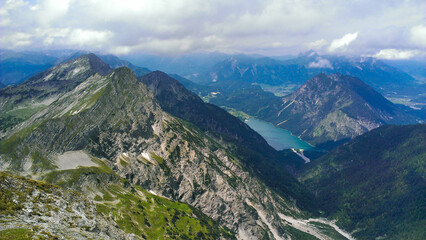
271	27
7	7
85	37
341	43
396	54
320	63
50	11
418	35
18	39
317	44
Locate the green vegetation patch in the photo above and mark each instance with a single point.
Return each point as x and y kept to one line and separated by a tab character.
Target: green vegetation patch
16	234
153	217
16	116
236	113
8	145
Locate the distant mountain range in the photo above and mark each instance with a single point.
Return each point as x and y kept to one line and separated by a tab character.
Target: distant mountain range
325	111
16	67
248	70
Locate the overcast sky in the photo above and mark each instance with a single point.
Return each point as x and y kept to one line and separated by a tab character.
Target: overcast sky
381	28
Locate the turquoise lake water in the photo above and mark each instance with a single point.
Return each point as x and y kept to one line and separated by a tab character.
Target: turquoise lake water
276	137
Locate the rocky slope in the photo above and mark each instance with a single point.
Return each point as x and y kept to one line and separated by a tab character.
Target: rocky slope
177	100
39	210
117	119
375	184
18	103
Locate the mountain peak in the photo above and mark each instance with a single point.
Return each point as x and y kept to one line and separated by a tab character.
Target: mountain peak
160	74
331	108
159	83
97	64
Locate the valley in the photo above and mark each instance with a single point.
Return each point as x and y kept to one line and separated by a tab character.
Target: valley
152	157
212	120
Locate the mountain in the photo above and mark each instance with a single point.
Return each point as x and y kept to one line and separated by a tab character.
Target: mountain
376	73
15	67
375	185
177	100
242	70
116	62
137	157
325	111
21	101
113	61
251	147
274	74
185	65
415	68
332	108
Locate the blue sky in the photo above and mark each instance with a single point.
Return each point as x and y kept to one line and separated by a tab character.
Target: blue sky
384	29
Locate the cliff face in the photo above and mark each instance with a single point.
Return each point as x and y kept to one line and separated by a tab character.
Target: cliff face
117	119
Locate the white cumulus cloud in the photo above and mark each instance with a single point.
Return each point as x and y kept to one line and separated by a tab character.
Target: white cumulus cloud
18	39
418	35
392	53
85	37
342	43
317	44
320	63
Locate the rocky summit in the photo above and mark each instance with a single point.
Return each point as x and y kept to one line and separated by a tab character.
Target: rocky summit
112	138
